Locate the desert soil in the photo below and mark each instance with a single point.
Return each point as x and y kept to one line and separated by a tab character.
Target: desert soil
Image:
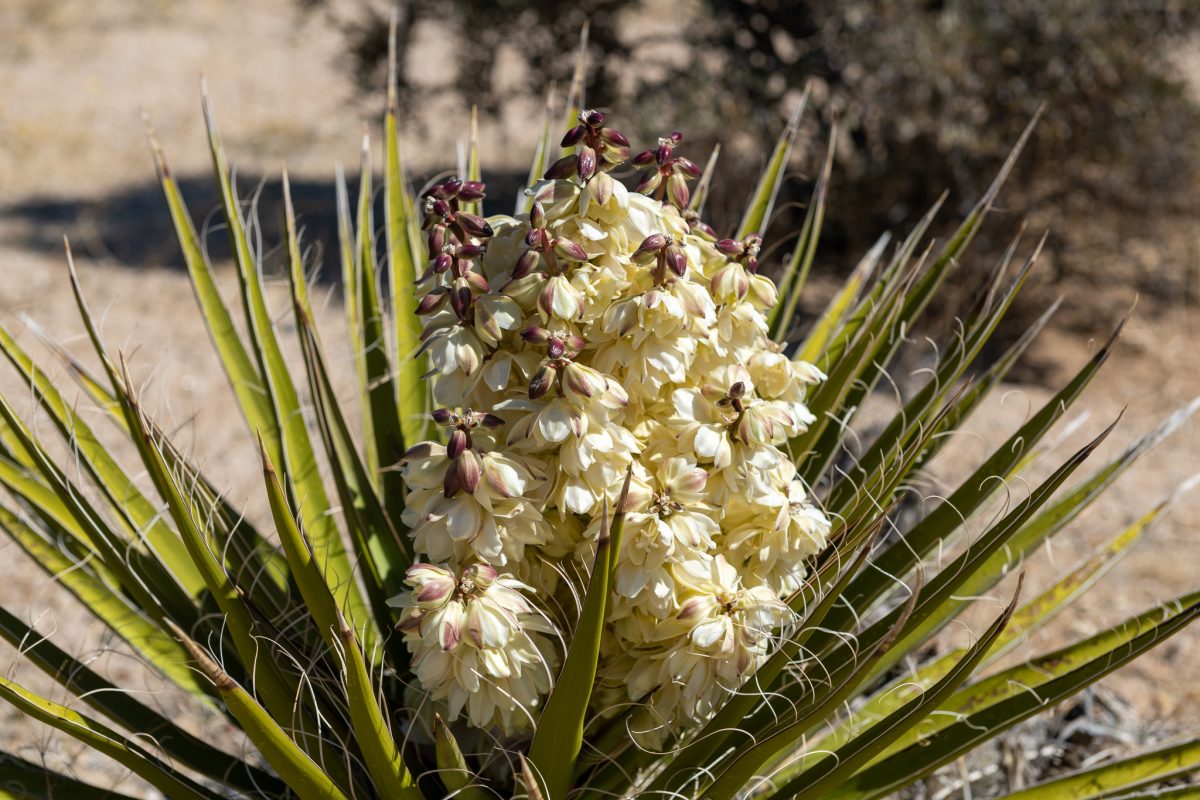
73	79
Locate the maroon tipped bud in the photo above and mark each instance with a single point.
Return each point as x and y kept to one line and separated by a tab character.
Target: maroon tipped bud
643	158
676	137
449	189
575	342
436	238
573	136
490	420
614	136
471	191
557	348
563	168
677	190
473	225
664	152
586	162
440	207
676	260
442	263
543	379
592	118
431	301
649	182
536	335
468	251
537	216
569	250
737	391
463	475
442	416
652	244
460	440
704	228
687	166
752	264
526	264
460	300
537	238
731	247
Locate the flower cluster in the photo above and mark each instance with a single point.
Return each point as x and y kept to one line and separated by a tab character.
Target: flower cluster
604	332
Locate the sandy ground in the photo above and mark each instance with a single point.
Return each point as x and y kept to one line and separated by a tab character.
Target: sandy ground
73	77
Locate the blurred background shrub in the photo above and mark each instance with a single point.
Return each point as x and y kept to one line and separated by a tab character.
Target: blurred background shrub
929	95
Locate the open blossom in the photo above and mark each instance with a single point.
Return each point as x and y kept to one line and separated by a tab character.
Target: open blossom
607	331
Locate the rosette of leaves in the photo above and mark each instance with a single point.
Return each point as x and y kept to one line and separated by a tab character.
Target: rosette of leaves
283	628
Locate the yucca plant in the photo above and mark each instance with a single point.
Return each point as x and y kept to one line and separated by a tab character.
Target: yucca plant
603	529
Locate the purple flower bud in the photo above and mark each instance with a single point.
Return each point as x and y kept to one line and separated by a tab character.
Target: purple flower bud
473	225
537	238
573	136
676	137
440	208
652	244
536	335
431	301
460	441
703	228
614	136
677	189
526	264
460	300
737	390
575	342
451	482
752	264
542	380
676	260
471	191
537	216
643	158
563	168
664	153
687	166
469	469
592	118
442	416
467	251
489	420
449	189
586	162
569	250
442	263
436	238
556	348
731	247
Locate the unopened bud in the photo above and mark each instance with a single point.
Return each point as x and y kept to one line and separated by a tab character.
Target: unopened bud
643	158
586	162
731	247
431	301
592	118
687	166
602	188
677	190
471	191
676	260
614	136
474	225
460	441
526	264
569	250
649	182
442	416
541	382
537	216
573	136
563	168
651	244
